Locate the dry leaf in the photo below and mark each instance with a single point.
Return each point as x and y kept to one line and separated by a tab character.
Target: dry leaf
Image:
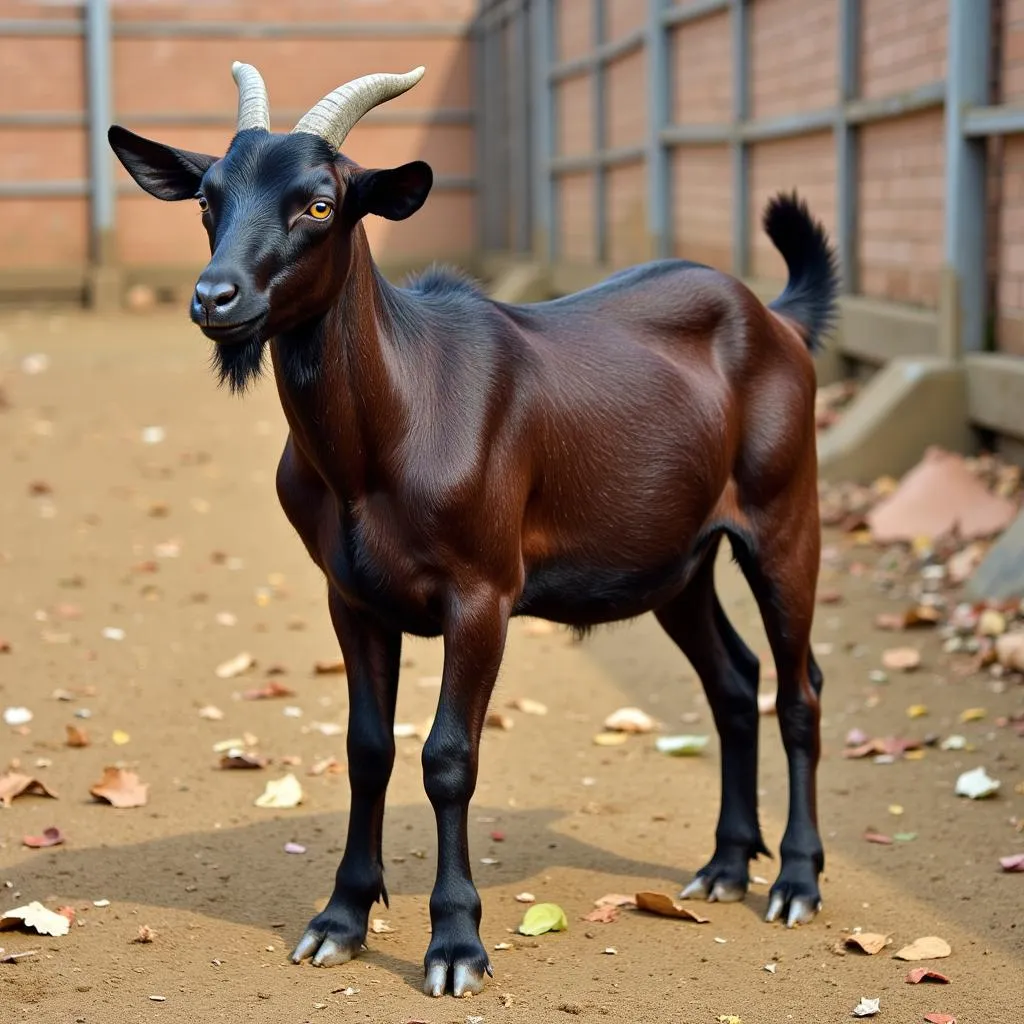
14	784
917	711
496	720
525	897
665	906
877	837
1015	862
931	947
283	792
13	958
615	899
379	926
145	935
919	974
236	758
121	788
211	713
972	714
50	837
329	667
235	666
272	689
327	766
869	942
610	739
940	1018
629	720
904	659
120	737
528	706
75	737
36	917
603	915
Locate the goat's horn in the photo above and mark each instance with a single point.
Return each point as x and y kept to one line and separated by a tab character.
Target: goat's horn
336	114
253	102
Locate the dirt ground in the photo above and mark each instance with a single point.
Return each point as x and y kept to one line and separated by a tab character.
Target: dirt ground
207	871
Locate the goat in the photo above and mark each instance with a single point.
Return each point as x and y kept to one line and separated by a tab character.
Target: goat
453	462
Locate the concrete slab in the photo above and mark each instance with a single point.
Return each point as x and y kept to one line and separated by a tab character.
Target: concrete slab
909	404
1001	573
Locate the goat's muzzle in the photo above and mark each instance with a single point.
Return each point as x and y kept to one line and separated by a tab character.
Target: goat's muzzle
226	308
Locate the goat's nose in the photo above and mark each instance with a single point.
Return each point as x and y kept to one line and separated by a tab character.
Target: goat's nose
215	296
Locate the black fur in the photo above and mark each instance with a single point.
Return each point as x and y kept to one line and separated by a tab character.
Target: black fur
811	295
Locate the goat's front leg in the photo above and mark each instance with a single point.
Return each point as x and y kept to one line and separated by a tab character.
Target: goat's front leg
474	639
372	656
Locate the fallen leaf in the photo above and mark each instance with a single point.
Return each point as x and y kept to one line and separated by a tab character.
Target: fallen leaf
283	792
528	706
525	897
771	968
869	942
917	711
13	958
121	788
603	915
681	746
145	935
867	1007
36	917
120	737
904	837
940	1018
877	837
329	667
976	784
931	947
379	926
496	720
1015	862
615	899
272	689
629	720
235	666
543	917
75	737
610	739
211	713
50	837
14	784
326	766
237	758
919	974
664	906
972	714
904	659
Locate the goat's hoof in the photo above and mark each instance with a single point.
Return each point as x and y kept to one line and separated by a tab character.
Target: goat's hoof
798	908
329	941
463	973
721	890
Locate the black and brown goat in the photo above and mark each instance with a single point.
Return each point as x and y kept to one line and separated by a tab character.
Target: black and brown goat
454	461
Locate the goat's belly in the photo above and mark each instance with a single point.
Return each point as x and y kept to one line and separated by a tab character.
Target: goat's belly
577	594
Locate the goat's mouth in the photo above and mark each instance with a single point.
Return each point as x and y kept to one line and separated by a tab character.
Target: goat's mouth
243	330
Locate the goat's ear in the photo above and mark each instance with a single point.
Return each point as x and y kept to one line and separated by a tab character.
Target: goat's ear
163	171
395	194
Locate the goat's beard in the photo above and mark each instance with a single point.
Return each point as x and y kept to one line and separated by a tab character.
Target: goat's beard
239	364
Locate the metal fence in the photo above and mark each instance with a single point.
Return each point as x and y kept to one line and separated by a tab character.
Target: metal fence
522	169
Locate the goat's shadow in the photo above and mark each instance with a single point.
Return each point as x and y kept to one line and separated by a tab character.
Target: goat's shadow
243	876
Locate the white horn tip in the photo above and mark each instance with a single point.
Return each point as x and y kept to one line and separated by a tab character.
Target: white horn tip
236	66
418	72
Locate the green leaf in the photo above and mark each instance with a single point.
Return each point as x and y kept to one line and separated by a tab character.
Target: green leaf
543	917
681	746
904	837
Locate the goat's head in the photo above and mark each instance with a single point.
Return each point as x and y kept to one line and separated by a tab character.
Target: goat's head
279	210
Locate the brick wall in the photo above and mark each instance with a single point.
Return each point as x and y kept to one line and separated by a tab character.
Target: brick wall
164	76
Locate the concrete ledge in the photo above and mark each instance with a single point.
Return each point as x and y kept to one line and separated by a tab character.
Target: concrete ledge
521	282
995	392
909	404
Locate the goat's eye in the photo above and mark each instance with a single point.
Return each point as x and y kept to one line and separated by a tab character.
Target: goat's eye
320	210
203	204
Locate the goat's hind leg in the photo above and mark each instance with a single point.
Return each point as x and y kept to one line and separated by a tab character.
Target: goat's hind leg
729	671
372	656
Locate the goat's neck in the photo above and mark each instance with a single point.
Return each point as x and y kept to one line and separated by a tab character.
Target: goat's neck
343	396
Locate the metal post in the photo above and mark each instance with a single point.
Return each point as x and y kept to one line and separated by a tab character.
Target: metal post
846	142
543	183
521	111
483	143
659	221
548	19
100	117
740	161
599	136
967	84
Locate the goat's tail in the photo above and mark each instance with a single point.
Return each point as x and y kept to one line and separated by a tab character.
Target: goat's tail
810	297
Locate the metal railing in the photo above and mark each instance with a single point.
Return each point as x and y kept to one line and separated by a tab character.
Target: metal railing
963	95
